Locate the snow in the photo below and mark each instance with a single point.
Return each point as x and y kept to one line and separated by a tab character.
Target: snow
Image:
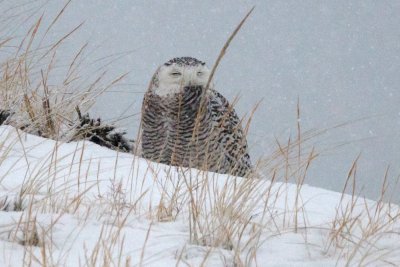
91	206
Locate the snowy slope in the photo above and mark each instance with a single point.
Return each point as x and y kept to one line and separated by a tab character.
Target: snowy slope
78	204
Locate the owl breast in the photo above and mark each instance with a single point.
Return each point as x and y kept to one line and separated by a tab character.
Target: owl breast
174	128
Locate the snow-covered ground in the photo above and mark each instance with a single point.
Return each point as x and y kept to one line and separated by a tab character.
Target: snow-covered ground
78	204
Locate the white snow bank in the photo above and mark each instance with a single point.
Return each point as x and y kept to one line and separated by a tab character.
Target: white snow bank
78	204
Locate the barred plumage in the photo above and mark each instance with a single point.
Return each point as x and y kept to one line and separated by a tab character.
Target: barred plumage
182	125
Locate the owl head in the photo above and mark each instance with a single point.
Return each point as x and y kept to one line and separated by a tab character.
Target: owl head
177	74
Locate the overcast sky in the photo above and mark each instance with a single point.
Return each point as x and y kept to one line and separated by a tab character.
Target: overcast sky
340	58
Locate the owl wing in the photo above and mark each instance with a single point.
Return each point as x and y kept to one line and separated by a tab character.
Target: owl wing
230	134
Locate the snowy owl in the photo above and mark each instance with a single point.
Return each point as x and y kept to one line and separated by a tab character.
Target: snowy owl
184	125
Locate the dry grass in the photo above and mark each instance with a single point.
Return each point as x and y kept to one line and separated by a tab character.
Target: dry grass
41	91
231	217
360	225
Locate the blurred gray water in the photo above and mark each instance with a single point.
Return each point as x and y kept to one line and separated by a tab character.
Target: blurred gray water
340	58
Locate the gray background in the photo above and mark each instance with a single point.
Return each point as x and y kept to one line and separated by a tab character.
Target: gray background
341	58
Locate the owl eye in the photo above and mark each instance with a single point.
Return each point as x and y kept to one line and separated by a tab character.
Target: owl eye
176	74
